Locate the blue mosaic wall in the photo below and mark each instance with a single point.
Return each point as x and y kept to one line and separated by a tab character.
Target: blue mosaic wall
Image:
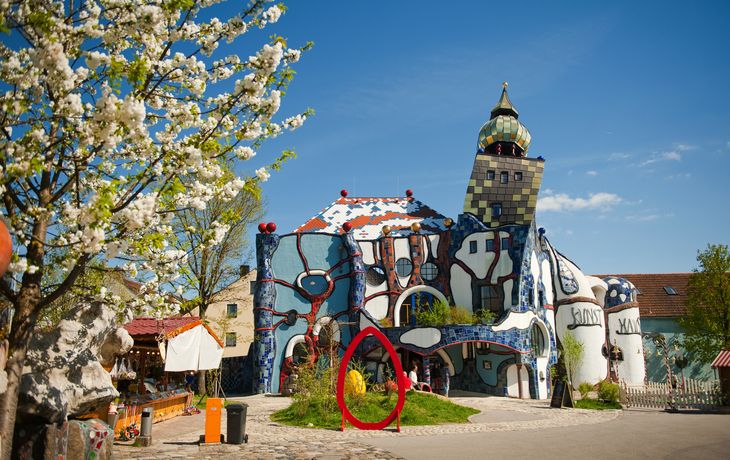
264	300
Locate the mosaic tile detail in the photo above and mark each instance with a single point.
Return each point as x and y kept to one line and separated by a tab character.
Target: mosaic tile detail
568	283
517	197
369	215
620	291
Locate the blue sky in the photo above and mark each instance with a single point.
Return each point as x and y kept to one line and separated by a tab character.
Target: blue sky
626	101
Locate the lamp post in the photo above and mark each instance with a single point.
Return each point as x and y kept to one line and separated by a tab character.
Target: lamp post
661	341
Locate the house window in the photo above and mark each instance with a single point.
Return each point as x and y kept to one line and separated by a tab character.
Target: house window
490	175
472	247
490	245
375	276
490	298
670	290
251	287
496	210
505	243
538	341
230	339
429	271
541	298
504	177
531	297
403	267
518	176
232	310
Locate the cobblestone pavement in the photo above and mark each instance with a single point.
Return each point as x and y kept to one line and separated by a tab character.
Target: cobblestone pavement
179	437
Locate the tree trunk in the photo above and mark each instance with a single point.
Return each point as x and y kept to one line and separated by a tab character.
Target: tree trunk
23	324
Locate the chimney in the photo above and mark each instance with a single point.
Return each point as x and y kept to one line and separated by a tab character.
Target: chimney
243	271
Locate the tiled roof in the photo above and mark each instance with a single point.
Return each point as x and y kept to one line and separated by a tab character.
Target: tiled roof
654	300
369	215
153	326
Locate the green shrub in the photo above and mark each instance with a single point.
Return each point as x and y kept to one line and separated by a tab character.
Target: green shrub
584	388
608	391
440	313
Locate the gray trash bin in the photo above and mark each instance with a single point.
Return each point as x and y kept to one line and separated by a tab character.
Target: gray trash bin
145	427
236	425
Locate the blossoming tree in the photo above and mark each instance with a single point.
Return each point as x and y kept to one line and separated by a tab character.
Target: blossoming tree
107	106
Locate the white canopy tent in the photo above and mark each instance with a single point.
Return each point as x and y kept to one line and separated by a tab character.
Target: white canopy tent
193	347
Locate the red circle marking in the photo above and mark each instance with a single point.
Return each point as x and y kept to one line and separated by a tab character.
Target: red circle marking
343	374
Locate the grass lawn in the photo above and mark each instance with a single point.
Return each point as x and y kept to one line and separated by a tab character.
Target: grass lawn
595	404
202	404
419	409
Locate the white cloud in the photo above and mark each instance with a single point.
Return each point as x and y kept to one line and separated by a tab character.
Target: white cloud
643	218
563	202
618	156
591	173
547	191
686	147
570	172
661	157
569	232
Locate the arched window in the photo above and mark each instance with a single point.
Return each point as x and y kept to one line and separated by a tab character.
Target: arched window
538	341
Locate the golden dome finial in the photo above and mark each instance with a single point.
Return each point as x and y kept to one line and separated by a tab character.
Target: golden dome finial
504	85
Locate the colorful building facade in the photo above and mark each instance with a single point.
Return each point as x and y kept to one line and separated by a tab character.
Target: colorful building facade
376	261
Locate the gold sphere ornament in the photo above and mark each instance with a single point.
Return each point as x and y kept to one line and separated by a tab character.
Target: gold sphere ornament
416	227
448	222
386	230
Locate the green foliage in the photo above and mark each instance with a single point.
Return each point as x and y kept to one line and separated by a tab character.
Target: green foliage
443	314
419	409
584	388
608	391
573	353
595	404
707	308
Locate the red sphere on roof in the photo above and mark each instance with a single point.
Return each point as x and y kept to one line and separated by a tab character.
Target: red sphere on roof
347	227
262	227
271	227
343	193
409	193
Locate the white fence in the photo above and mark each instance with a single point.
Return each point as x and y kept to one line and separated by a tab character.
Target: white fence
694	395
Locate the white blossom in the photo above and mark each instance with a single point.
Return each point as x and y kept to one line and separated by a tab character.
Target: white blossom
262	174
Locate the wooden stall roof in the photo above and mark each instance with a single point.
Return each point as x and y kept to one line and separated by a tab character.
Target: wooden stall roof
147	328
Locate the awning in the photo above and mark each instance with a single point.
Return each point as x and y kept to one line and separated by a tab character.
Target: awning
193	347
723	359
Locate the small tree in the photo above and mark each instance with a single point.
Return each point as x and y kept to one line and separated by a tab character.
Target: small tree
707	308
573	354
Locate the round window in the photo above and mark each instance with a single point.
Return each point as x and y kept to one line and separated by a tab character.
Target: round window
403	267
429	271
375	276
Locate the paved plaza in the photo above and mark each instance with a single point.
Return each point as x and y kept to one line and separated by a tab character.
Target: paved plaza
502	426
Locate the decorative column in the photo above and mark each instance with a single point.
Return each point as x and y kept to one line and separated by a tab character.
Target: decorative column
264	343
426	370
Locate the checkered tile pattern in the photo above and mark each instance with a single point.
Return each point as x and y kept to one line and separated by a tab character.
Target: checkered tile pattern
517	197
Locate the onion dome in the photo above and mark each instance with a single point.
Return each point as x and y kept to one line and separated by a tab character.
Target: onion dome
503	134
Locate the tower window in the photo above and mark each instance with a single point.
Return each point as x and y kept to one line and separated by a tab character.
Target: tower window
490	175
232	310
504	177
490	245
230	339
518	176
496	210
505	243
472	247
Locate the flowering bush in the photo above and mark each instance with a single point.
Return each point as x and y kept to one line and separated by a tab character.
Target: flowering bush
107	105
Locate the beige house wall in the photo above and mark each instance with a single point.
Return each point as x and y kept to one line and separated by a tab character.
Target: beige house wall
239	293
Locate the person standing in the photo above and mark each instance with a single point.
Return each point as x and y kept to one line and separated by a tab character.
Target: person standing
445	379
413	375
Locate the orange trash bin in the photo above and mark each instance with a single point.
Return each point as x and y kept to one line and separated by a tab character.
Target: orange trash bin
213	419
